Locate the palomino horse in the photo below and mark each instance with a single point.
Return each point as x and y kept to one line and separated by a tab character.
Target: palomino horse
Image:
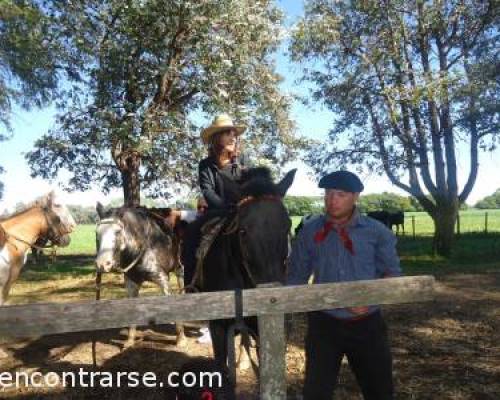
44	219
131	241
251	248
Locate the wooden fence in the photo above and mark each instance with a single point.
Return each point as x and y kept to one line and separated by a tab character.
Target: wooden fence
269	304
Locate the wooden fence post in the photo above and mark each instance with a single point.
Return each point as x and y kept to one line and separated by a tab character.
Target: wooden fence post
413	225
486	222
272	363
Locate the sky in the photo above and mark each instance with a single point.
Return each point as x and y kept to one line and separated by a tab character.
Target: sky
314	122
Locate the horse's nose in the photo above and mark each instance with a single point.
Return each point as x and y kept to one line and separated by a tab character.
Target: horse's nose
103	265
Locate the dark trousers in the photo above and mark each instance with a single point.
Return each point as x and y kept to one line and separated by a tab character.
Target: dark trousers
366	346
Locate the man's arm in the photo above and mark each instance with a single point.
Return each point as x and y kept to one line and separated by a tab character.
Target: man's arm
207	185
386	255
300	261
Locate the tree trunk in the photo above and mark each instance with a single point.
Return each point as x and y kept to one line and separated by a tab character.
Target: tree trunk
444	219
130	179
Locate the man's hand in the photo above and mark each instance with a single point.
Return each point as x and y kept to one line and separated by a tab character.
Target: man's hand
358	310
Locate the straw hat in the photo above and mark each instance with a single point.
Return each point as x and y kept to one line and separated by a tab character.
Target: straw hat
220	123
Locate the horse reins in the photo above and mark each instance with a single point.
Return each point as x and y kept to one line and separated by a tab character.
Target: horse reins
235	224
45	211
133	263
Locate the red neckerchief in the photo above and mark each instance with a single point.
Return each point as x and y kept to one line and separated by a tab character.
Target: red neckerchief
321	235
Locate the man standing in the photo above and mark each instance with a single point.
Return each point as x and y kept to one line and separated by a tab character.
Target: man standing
340	246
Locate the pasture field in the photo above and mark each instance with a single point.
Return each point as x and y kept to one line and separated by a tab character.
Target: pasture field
470	221
83	239
445	349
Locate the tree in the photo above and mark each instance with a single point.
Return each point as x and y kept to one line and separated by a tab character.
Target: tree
490	202
385	201
302	205
33	59
408	81
153	68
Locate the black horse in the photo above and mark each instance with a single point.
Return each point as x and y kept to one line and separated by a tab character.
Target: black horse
134	241
251	248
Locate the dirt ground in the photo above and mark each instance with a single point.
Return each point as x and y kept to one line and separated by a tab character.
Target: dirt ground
445	349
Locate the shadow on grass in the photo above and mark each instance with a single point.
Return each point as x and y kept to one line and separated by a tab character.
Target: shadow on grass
472	253
64	266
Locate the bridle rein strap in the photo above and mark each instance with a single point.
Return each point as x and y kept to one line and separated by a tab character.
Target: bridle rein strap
234	226
45	211
133	263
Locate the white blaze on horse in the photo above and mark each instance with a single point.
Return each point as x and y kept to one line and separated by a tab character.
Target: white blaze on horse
44	219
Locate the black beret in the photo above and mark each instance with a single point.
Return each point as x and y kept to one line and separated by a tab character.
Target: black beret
342	180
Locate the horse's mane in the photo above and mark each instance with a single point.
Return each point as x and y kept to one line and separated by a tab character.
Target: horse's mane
40	201
135	217
257	182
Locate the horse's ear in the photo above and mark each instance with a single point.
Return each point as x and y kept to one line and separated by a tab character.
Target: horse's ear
286	182
100	210
50	198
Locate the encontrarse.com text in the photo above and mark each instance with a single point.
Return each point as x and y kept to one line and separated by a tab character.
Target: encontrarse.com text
105	379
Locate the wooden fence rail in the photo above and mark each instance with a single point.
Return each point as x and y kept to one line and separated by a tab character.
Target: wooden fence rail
268	303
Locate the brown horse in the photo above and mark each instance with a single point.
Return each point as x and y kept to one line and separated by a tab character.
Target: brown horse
45	218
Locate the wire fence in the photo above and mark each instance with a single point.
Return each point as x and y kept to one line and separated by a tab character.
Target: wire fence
470	221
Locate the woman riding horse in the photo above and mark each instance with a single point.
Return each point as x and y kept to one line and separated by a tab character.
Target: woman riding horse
222	140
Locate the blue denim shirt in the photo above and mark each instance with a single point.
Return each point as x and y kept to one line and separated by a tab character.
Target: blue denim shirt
374	256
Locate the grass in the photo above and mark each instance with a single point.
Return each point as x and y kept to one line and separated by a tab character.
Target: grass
471	221
82	242
473	252
73	270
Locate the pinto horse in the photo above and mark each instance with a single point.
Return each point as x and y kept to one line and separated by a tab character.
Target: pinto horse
131	240
46	219
251	248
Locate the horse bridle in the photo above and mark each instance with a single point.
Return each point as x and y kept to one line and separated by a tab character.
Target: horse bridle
52	220
133	263
234	225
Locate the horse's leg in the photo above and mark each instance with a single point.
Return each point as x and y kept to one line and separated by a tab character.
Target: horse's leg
132	291
244	358
4	289
180	338
218	333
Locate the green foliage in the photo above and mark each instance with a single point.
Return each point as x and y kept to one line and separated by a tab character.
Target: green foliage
490	202
33	58
407	81
386	202
153	70
302	205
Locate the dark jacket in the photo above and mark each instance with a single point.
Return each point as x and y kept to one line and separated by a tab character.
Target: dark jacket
211	183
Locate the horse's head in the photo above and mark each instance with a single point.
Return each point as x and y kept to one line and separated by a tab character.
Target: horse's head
60	222
117	236
263	224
